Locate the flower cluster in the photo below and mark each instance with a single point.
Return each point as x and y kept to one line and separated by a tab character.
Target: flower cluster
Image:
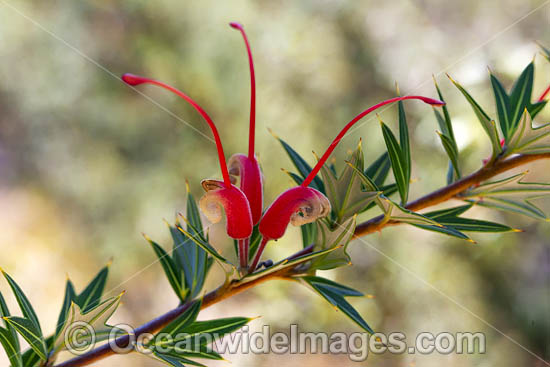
240	192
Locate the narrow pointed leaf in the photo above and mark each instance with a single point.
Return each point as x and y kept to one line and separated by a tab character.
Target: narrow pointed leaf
27	329
334	297
70	296
452	152
378	171
184	320
397	162
404	140
502	102
171	270
203	244
520	96
5	312
301	165
91	295
11	347
486	122
24	304
333	286
449	231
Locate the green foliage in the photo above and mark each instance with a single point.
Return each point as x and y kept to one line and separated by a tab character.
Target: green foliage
28	330
510	194
529	140
192	339
447	138
8	337
511	106
171	270
486	122
330	238
400	162
301	165
334	293
345	192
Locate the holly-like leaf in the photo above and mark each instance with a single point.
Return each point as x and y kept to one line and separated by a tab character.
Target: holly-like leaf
301	165
394	211
345	192
334	294
27	329
486	122
96	318
511	194
171	270
529	140
328	238
399	164
24	304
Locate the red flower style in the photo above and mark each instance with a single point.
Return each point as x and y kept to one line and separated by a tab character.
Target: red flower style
243	204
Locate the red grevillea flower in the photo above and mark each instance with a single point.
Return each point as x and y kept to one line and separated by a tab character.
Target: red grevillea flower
219	194
303	204
243	205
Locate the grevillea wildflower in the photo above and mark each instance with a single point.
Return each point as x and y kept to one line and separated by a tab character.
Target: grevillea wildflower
243	205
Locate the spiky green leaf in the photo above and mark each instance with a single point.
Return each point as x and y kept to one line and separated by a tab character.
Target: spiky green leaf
486	122
301	165
91	295
24	304
27	329
335	296
398	163
11	347
529	140
171	270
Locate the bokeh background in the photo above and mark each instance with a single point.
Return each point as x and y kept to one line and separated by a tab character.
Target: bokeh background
87	164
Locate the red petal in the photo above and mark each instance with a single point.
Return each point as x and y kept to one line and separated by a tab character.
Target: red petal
298	205
234	203
251	182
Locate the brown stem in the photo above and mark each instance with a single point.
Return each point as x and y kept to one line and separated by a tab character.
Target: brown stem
451	191
375	224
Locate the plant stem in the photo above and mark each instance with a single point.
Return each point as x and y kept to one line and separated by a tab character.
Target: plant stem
372	225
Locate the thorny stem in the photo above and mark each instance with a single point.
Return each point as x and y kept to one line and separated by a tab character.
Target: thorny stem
376	224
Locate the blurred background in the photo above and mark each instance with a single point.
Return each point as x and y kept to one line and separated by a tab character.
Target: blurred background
87	164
